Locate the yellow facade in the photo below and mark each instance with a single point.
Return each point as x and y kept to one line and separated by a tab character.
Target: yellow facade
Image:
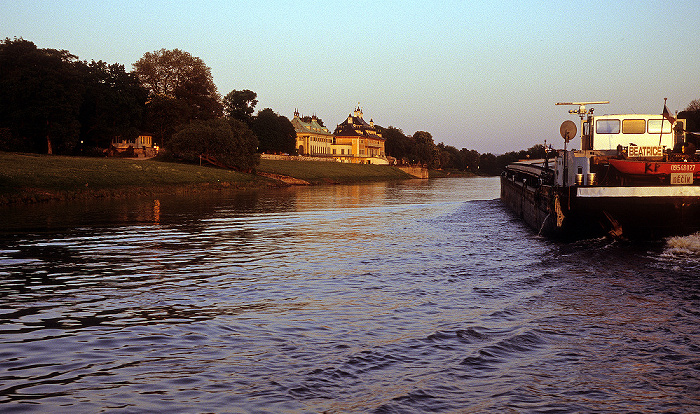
354	141
312	138
364	139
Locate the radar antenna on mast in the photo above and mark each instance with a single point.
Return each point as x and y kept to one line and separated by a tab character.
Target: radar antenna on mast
581	111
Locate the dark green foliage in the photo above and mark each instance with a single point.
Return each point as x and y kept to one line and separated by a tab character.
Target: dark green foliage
399	145
311	119
113	105
41	93
181	88
275	133
240	105
426	152
163	115
52	102
231	144
490	164
691	114
469	160
420	149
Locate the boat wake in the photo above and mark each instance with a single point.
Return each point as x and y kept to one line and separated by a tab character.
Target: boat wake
685	246
682	253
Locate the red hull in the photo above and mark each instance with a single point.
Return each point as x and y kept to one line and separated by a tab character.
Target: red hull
655	168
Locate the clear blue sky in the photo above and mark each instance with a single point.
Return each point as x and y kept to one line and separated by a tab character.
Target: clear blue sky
481	75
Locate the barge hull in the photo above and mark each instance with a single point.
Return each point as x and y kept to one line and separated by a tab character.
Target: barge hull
575	212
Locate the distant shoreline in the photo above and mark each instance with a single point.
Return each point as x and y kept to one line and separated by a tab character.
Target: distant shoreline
35	178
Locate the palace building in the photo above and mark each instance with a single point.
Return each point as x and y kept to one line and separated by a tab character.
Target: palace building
312	138
353	141
358	142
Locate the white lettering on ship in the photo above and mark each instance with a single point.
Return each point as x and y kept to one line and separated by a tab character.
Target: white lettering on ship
683	167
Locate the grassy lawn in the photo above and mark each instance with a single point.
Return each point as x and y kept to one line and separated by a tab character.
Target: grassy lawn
27	173
318	172
35	177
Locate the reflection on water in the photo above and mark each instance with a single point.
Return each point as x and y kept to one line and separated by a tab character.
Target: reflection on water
418	296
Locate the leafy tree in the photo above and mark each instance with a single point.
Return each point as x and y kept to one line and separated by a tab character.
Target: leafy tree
469	159
164	114
40	96
174	74
537	151
229	143
449	156
488	164
113	104
275	132
693	106
399	145
426	151
245	145
240	105
311	118
691	114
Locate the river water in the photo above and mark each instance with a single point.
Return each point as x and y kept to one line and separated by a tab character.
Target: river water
408	297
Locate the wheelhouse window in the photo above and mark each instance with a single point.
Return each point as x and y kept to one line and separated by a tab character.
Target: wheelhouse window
634	126
655	126
607	126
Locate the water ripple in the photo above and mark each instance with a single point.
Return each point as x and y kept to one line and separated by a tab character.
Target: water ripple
422	296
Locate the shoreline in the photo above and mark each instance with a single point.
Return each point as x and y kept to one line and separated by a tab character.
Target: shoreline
39	178
44	195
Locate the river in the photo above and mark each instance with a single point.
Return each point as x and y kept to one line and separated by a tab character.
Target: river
406	297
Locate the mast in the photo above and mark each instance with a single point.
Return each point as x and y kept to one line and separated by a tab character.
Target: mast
581	111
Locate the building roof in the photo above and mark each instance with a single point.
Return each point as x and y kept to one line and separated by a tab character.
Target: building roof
355	125
312	127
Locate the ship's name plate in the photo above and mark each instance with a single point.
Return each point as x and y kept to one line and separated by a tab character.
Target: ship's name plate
647	152
682	178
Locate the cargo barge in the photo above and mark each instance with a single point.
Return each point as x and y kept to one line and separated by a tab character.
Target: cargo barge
635	176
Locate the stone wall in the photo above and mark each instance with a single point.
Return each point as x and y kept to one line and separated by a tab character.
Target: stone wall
296	158
418	172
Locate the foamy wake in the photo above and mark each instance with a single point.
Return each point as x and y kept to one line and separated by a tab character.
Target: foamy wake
683	245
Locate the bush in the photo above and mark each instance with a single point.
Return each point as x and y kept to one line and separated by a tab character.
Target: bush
230	144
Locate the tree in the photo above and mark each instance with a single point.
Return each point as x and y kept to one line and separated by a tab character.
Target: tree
229	143
470	160
240	105
164	115
693	106
399	145
180	76
245	145
310	119
113	104
449	157
691	114
488	164
41	92
537	151
275	132
426	151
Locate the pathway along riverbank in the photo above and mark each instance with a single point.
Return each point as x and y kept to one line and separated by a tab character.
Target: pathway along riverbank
31	178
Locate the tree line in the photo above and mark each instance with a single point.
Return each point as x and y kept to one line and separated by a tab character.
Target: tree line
52	102
420	149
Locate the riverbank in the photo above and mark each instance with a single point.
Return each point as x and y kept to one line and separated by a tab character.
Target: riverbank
28	178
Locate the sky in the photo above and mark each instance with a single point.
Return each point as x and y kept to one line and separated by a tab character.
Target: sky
481	75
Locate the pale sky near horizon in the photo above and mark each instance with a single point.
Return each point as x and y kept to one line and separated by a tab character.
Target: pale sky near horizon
481	75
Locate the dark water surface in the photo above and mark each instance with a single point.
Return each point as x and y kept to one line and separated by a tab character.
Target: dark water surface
416	297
